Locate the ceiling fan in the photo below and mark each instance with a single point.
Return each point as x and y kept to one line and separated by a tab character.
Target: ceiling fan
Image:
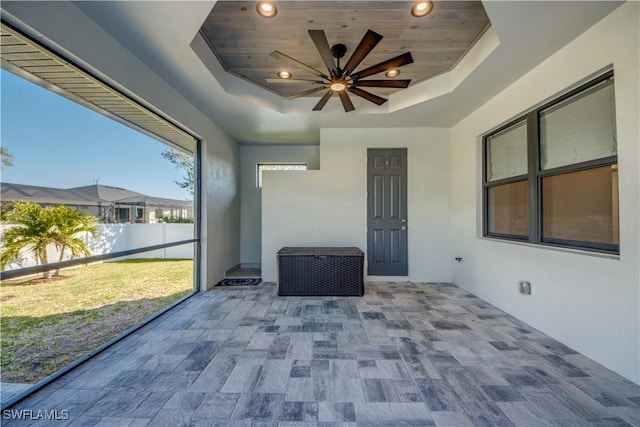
341	80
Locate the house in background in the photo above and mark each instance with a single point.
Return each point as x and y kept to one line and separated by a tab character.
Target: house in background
107	204
166	57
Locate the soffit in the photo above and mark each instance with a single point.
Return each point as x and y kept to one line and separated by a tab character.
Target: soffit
34	62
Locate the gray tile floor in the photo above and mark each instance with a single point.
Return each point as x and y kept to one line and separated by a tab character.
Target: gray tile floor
403	355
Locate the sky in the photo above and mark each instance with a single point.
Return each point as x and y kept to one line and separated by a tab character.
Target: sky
58	143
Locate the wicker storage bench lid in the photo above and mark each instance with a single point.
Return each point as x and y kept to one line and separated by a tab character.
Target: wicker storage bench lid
321	251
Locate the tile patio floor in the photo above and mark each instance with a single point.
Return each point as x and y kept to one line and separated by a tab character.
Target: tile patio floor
403	355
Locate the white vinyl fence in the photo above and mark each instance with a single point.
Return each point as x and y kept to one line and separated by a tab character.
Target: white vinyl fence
121	237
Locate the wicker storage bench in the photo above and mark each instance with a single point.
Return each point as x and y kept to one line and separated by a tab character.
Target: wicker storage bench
331	271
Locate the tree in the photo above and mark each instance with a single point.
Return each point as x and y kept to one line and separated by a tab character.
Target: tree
35	228
5	157
182	161
70	224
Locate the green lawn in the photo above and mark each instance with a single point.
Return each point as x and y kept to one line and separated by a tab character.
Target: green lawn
47	324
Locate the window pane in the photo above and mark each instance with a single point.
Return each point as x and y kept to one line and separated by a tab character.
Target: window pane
581	206
279	167
507	153
508	209
579	129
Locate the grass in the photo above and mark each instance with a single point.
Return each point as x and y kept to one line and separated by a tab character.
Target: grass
47	324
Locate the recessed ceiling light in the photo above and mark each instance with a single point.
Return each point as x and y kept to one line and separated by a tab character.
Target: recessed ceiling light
267	9
421	8
392	73
284	74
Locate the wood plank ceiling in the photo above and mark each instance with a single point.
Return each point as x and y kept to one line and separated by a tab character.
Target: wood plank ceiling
242	40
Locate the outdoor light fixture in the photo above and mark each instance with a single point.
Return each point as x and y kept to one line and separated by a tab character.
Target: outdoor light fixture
266	9
284	74
392	73
421	8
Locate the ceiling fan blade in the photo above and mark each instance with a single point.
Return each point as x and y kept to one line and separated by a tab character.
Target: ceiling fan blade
293	81
323	101
383	83
286	58
367	95
306	92
320	40
368	42
398	61
346	102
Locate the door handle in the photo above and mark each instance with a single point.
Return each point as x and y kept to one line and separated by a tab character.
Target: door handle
403	228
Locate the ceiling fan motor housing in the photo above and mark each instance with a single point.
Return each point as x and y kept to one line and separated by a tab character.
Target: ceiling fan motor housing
338	50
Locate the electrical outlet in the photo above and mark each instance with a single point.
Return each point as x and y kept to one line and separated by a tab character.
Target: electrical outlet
525	287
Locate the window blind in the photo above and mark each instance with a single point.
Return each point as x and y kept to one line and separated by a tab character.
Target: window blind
579	129
507	153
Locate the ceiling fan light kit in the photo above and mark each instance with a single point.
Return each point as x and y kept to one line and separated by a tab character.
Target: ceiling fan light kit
341	80
338	85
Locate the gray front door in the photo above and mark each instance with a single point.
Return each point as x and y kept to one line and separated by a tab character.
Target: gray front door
387	212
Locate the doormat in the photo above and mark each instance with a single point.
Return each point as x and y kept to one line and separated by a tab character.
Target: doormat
239	282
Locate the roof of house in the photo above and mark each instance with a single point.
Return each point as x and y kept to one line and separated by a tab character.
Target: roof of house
88	195
105	192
